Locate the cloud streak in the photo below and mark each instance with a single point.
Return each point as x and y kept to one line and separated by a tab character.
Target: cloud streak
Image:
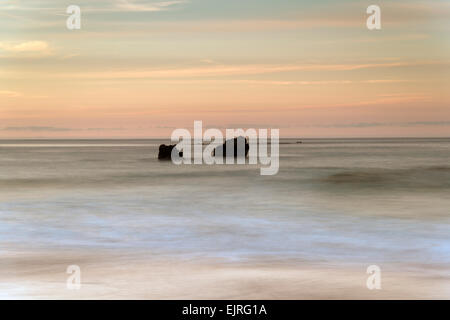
9	94
386	124
235	70
28	46
37	129
142	6
89	6
33	48
56	129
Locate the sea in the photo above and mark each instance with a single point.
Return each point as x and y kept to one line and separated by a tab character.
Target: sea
333	202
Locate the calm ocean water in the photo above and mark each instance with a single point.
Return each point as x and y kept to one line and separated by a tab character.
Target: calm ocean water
367	201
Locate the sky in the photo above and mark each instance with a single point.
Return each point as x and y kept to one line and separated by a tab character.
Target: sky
140	69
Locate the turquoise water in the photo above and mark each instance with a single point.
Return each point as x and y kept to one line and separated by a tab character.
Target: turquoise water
349	201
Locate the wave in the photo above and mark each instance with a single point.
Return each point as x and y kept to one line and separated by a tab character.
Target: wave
432	176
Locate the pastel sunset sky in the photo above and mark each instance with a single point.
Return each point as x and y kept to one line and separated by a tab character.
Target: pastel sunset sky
140	69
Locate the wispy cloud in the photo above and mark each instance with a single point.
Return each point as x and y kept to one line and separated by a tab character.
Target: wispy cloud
319	82
386	124
143	6
55	129
9	94
33	48
37	129
232	70
28	46
109	5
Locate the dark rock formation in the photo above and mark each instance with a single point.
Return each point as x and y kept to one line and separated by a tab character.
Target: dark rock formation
238	140
165	152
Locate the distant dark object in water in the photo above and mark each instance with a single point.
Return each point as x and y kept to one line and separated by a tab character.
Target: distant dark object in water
165	152
299	141
237	153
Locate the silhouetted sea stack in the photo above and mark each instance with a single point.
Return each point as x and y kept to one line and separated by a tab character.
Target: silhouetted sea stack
165	152
237	153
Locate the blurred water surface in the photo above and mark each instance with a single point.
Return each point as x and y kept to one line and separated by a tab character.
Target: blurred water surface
348	201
